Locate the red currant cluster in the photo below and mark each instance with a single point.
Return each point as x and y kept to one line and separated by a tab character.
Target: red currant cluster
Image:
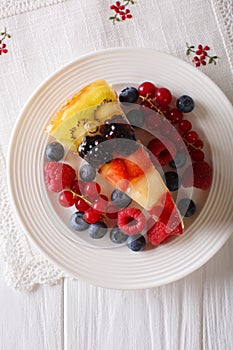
170	124
201	55
3	36
178	129
121	12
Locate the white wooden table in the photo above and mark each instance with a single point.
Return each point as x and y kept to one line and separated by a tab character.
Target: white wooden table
194	313
191	314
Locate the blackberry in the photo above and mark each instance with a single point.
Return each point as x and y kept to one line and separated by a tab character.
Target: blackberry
100	154
88	143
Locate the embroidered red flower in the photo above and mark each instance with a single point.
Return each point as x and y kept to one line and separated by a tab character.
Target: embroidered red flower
3	36
201	55
122	12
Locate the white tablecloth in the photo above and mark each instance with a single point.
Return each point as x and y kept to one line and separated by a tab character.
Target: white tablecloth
45	39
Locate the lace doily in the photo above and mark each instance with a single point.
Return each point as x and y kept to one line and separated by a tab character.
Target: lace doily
14	7
223	10
25	267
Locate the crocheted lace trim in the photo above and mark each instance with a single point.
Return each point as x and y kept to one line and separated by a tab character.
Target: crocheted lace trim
25	267
14	7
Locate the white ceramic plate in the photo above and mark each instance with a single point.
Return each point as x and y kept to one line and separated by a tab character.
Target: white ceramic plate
121	268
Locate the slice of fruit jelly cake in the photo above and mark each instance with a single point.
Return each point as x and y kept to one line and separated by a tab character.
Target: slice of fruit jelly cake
93	125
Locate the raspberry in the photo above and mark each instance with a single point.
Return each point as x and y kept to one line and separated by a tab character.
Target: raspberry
131	221
163	152
157	233
58	176
198	175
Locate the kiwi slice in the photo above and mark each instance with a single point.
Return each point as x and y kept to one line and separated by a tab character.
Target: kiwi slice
71	132
107	111
94	94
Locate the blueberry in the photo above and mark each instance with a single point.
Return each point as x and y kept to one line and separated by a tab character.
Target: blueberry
129	94
77	222
117	236
97	230
120	199
136	242
87	172
185	104
54	152
172	180
186	207
136	117
179	160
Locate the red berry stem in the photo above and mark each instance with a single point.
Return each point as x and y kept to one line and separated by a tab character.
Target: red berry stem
81	196
201	55
152	104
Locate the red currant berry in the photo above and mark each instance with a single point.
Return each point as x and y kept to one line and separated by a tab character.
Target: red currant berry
147	106
127	11
200	47
163	97
121	13
198	144
197	155
203	62
91	216
198	64
112	7
199	52
175	116
77	187
122	7
129	16
206	48
91	189
112	212
82	205
100	205
118	3
185	125
123	17
147	89
191	136
67	199
165	111
105	198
